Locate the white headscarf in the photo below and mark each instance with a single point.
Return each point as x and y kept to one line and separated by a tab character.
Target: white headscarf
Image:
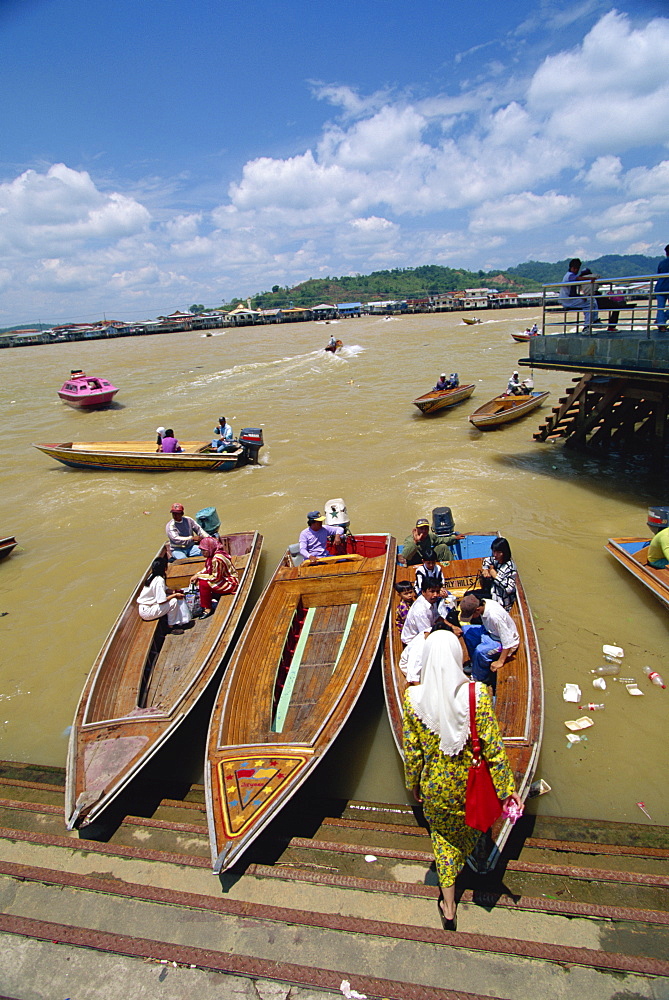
441	700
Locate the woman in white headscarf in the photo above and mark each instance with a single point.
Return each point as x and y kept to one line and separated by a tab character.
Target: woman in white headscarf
438	755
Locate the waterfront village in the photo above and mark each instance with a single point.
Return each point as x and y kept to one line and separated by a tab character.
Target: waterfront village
456	301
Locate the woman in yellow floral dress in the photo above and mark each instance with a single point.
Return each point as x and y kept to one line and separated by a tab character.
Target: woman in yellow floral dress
438	754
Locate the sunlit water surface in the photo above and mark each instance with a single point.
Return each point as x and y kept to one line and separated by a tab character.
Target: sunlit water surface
344	427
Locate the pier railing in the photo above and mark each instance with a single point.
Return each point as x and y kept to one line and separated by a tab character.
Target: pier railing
627	306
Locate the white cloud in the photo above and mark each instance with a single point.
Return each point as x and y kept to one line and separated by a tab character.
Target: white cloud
522	211
604	172
46	211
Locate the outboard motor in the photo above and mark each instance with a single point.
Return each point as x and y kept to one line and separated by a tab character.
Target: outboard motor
336	514
658	518
208	520
442	521
251	440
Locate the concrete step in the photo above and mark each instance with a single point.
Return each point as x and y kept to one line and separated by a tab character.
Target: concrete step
309	906
315	944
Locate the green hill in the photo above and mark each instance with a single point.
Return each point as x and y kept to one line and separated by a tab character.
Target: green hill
609	266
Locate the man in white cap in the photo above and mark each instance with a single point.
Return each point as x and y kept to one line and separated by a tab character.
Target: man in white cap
160	434
443	383
513	387
313	539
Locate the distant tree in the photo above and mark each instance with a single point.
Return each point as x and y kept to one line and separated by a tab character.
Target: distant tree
197	309
276	288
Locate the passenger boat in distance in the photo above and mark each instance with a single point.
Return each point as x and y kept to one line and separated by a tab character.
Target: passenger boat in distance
87	392
333	348
144	683
519	703
7	546
440	399
471	320
504	409
632	553
293	680
141	456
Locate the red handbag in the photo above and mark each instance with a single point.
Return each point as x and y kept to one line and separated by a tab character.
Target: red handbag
482	806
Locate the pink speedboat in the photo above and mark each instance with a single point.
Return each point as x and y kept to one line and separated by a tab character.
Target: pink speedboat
83	391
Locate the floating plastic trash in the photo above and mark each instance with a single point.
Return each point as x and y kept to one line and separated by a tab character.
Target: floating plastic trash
571	692
600	683
572	738
539	787
634	688
583	723
371	857
642	807
613	653
607	669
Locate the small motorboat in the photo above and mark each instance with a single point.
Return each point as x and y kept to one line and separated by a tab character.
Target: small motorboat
440	399
471	320
141	456
632	553
87	392
333	348
144	683
503	409
519	700
7	546
293	680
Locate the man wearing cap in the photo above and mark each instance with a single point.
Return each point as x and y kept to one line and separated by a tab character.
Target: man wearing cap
183	533
492	643
224	432
424	544
313	539
443	383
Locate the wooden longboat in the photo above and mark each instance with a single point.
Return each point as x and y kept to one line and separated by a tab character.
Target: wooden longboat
520	703
7	546
293	680
440	399
471	320
504	409
632	553
141	456
144	682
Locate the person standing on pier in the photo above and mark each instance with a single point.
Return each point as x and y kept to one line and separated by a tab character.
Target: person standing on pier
569	298
662	287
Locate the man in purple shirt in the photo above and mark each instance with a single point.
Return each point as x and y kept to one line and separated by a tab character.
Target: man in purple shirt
313	539
170	443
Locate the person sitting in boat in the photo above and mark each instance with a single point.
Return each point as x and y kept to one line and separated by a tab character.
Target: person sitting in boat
219	575
223	437
658	550
332	343
423	612
423	544
183	534
491	642
429	567
169	444
513	386
443	383
534	330
157	600
453	381
160	434
407	598
313	539
499	573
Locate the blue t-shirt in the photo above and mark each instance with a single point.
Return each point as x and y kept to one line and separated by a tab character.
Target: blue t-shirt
663	268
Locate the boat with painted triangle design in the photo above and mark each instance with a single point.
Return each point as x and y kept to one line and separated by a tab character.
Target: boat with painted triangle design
293	680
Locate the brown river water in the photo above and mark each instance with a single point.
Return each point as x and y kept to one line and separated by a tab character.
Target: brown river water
334	427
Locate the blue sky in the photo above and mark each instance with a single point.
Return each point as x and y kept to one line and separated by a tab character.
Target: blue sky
164	152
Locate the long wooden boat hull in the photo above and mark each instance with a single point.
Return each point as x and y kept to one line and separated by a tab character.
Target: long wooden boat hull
505	409
141	456
292	683
519	701
440	399
144	683
7	546
632	553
